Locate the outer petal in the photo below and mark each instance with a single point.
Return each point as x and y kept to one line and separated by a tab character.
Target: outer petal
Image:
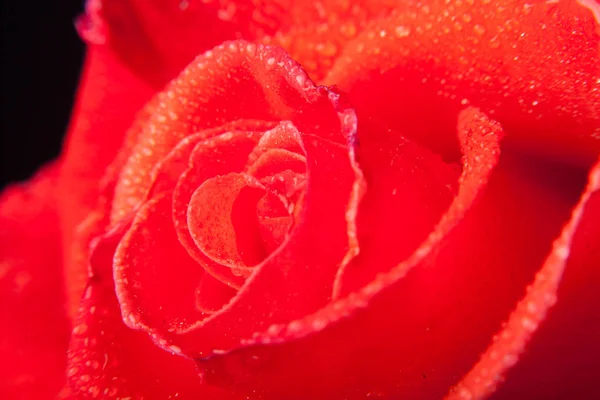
407	191
534	66
108	99
157	39
34	329
110	361
563	358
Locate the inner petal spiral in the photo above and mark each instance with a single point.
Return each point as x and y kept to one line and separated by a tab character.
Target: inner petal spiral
238	219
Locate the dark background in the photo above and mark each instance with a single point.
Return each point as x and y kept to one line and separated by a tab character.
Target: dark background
41	61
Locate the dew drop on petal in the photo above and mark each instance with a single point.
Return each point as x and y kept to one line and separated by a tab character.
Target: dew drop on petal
402	31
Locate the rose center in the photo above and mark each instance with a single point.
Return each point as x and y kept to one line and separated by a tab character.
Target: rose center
239	219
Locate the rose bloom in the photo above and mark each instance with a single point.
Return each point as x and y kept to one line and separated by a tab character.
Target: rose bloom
315	200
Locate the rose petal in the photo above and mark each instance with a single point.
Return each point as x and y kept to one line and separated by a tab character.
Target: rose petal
213	157
108	360
235	81
223	221
328	193
164	281
298	277
157	39
154	39
109	96
274	231
408	189
562	358
35	330
212	294
275	160
429	328
534	66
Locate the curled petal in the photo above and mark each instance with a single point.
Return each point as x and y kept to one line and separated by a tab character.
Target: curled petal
218	156
107	359
224	234
297	278
221	86
141	273
109	98
569	279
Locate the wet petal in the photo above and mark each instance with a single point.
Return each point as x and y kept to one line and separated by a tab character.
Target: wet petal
548	346
533	67
35	329
235	81
223	221
109	360
436	330
156	287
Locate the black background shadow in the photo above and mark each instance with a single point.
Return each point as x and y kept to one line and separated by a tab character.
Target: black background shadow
41	62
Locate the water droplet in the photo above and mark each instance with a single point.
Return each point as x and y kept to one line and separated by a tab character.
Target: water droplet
301	79
510	360
79	329
402	31
227	13
94	391
494	42
478	29
348	30
327	49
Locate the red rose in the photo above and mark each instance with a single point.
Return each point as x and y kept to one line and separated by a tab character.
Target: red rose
425	224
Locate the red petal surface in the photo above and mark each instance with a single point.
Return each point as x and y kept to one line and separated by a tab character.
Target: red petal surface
534	66
34	329
222	222
297	278
213	157
562	359
109	97
212	294
108	360
234	81
165	277
437	330
407	191
157	39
